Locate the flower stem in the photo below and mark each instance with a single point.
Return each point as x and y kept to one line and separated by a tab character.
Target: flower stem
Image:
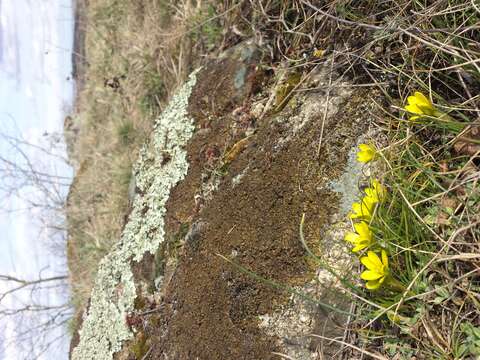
394	284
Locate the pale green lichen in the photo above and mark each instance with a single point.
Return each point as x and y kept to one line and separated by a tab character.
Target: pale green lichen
347	184
104	328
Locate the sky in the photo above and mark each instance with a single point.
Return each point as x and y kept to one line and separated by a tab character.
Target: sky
36	93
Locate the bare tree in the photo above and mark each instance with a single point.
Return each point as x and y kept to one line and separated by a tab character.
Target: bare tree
35	322
34	311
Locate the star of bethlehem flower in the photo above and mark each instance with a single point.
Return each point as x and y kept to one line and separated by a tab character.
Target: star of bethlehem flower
419	105
377	269
363	210
376	192
366	154
361	238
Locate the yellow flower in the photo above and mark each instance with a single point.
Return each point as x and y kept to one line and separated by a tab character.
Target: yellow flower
419	105
376	192
377	270
318	53
366	153
363	210
362	238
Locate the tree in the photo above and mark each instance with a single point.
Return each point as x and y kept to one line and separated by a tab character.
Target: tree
32	320
34	310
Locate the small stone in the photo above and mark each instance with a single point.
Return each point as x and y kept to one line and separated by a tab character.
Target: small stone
257	110
304	318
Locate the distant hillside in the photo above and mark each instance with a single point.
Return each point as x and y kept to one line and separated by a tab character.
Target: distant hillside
79	54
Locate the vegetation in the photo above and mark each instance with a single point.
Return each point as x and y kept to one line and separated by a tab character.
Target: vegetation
424	246
422	241
426	151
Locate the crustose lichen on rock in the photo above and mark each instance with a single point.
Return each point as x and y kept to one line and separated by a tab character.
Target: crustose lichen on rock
104	328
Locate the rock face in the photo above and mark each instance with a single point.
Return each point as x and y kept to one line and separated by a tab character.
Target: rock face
220	191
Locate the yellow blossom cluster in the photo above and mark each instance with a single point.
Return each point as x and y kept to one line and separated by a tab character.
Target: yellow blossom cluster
362	237
376	264
362	212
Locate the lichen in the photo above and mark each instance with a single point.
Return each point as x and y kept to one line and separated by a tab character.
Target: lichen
291	324
113	296
347	184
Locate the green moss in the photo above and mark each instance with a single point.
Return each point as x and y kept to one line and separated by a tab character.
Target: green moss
140	346
140	303
126	133
283	92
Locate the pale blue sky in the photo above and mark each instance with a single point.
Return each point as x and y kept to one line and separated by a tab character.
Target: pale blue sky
35	62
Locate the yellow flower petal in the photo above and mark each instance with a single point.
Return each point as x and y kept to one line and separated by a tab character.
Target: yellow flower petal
360	211
363	210
427	110
412	100
385	259
375	193
360	246
371	196
364	158
367	263
370	275
367	153
370	201
372	285
352	237
421	100
413	108
375	260
363	230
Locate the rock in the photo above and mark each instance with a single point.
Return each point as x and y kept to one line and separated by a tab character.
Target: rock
253	213
214	303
